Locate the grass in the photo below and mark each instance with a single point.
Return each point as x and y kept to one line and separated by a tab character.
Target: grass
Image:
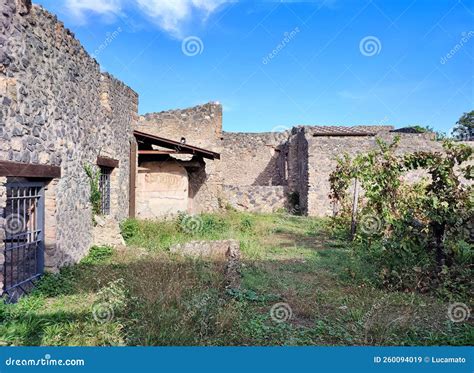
144	295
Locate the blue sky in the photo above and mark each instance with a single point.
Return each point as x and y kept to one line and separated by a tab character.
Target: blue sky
278	64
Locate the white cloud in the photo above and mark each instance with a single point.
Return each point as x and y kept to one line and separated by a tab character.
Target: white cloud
172	16
78	8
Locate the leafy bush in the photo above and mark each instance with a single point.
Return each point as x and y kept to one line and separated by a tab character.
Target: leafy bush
410	232
246	224
98	254
129	228
115	295
54	284
212	224
94	181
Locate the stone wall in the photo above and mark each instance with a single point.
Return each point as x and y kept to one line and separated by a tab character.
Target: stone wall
57	108
254	158
200	125
324	150
256	198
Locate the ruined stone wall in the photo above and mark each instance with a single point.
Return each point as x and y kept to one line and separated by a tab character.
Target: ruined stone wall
56	108
201	126
256	198
255	171
253	158
323	152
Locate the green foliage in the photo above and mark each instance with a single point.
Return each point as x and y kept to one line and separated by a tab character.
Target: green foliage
114	294
161	299
464	129
94	181
98	254
129	228
407	230
55	284
247	224
213	224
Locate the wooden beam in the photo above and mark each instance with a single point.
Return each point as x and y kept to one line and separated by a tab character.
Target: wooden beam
157	152
171	144
132	179
107	162
8	168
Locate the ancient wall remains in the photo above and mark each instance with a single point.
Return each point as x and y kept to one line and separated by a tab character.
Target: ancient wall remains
253	158
256	198
56	108
200	125
324	150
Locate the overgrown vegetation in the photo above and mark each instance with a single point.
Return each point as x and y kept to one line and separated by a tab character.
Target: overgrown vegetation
144	295
411	235
94	182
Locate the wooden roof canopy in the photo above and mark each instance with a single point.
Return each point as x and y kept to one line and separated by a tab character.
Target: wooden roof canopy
175	147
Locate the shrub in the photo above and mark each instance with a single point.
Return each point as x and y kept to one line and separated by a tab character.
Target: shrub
95	197
98	254
246	224
129	228
409	232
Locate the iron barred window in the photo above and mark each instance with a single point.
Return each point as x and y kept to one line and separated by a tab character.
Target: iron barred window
24	237
104	186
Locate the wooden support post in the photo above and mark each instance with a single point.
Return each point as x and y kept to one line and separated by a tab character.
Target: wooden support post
354	208
133	178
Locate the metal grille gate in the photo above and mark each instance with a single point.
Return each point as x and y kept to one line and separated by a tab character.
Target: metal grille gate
104	186
24	237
